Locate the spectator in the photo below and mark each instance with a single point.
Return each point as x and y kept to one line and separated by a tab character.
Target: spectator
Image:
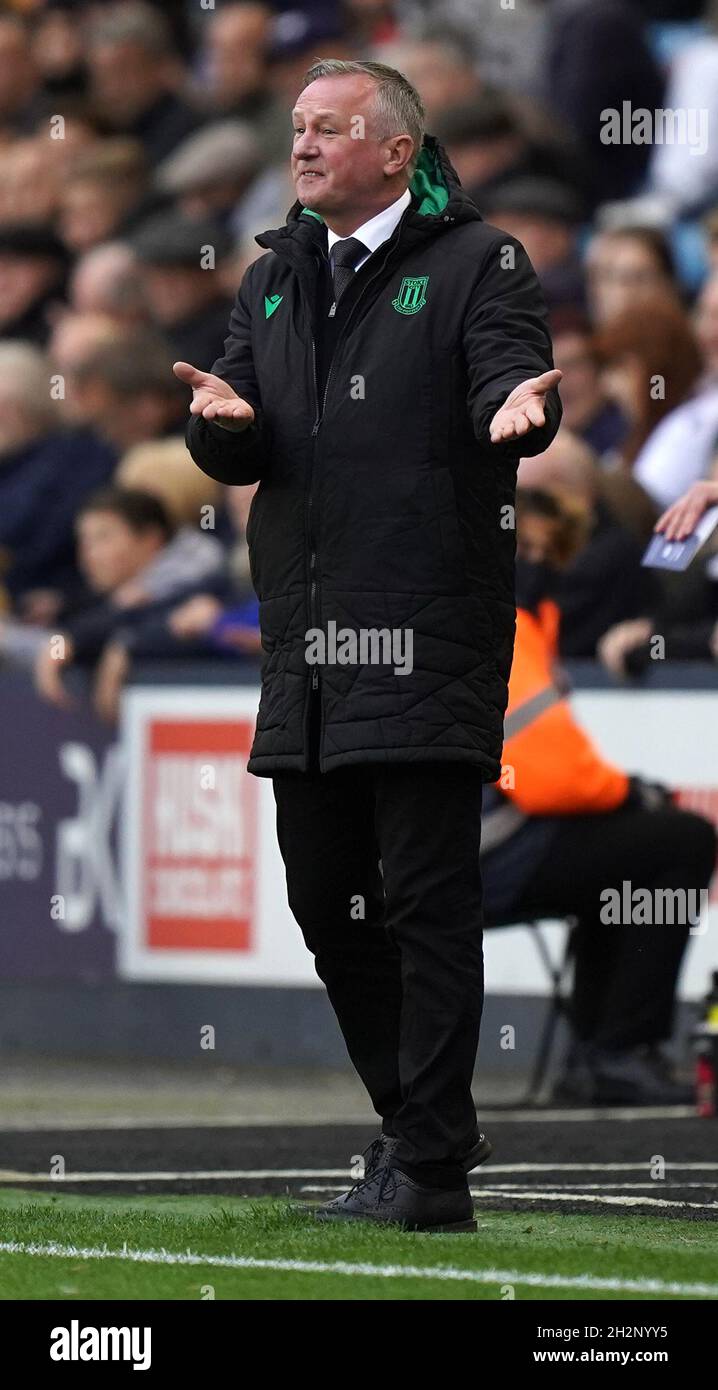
545	216
626	269
597	58
490	139
103	193
134	75
181	262
124	390
441	65
297	34
684	613
166	469
21	104
234	77
679	450
601	582
33	270
105	281
687	176
561	803
211	171
124	537
587	410
650	362
45	475
74	340
58	51
30	181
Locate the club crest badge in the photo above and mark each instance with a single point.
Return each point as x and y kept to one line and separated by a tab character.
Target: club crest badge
412	294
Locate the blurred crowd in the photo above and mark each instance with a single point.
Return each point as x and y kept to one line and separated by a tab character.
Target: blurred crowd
134	133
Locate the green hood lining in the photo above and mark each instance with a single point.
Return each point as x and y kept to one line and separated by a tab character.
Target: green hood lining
427	184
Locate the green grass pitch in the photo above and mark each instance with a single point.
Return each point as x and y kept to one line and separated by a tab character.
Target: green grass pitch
198	1247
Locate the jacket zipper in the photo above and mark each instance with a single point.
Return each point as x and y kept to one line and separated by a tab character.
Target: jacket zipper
314	432
320	408
313	555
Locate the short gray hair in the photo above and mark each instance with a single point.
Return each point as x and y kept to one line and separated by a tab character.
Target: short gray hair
398	107
25	376
134	22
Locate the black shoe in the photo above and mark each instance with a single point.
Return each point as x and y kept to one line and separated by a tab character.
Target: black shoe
390	1197
641	1076
380	1151
633	1076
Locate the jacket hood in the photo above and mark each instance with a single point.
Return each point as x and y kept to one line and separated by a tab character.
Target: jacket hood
438	200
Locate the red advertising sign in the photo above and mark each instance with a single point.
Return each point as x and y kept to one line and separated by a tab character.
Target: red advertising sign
198	810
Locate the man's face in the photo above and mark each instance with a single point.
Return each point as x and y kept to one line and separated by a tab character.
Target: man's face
23	279
173	291
125	80
337	161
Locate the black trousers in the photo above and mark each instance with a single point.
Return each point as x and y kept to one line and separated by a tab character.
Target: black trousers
399	949
625	974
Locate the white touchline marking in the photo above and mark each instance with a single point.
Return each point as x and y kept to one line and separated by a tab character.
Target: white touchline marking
476	1276
529	1116
260	1174
604	1199
625	1112
592	1167
657	1184
538	1194
11	1175
32	1123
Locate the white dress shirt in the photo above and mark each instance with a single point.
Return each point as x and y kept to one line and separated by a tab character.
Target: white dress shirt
373	232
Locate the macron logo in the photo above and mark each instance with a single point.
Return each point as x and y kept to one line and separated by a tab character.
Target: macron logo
74	1343
271	302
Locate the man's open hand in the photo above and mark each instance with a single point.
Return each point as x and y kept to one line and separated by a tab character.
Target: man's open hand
214	398
523	410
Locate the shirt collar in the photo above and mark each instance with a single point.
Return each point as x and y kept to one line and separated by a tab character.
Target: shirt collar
378	228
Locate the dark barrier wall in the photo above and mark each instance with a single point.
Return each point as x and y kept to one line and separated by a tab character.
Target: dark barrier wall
60	801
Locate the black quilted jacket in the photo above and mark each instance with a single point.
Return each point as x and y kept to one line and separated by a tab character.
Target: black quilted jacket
384	506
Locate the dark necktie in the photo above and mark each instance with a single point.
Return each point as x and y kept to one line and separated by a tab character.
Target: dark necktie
346	254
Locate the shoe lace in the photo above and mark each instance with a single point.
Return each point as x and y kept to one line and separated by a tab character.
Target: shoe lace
386	1180
372	1153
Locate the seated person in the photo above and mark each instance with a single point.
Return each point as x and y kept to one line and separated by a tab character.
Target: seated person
46	472
685	614
603	583
137	568
563	826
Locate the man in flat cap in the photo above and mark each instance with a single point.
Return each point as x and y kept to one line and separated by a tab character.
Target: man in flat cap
180	260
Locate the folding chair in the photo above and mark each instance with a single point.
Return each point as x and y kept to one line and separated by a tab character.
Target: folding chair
559	1004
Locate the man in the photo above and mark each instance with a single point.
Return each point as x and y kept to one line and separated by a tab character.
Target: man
122	388
187	299
46	473
133	68
562	803
33	272
385	365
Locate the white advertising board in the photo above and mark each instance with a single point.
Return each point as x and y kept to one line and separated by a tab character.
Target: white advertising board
205	890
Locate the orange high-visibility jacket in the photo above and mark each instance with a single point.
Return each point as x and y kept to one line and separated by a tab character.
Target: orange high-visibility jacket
550	765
